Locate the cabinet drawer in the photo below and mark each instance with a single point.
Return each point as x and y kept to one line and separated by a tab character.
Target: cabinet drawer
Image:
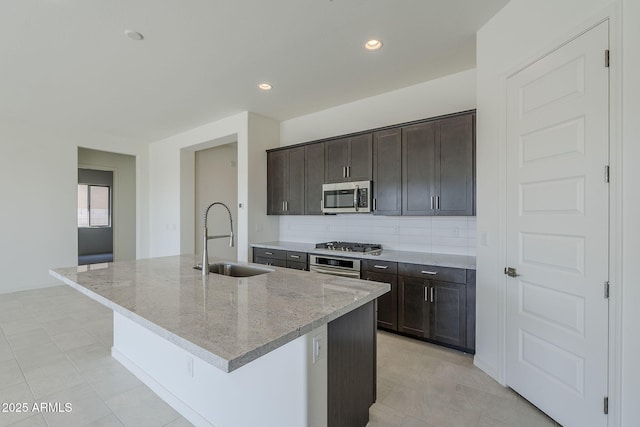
297	265
379	266
445	274
269	253
297	256
270	261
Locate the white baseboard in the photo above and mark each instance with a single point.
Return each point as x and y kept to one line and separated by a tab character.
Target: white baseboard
478	363
181	407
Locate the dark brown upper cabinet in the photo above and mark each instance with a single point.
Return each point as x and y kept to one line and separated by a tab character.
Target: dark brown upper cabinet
314	178
438	167
419	169
285	182
387	172
455	173
348	159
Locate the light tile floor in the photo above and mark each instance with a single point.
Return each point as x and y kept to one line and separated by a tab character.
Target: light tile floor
55	348
421	384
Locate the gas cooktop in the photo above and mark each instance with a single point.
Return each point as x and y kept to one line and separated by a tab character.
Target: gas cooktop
367	248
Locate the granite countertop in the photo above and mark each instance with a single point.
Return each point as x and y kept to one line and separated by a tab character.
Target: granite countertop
426	258
226	321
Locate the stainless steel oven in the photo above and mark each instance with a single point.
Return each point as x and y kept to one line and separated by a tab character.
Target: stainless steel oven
345	267
347	197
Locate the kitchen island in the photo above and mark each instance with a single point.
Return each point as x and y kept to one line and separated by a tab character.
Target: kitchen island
279	348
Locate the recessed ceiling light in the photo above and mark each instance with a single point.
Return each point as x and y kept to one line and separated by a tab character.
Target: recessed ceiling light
265	86
133	35
373	44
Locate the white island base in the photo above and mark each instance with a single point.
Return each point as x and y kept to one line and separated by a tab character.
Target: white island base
282	388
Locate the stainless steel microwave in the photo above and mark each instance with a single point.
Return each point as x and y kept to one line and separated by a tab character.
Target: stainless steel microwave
346	197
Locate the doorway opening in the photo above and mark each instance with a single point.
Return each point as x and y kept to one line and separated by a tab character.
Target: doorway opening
95	214
106	206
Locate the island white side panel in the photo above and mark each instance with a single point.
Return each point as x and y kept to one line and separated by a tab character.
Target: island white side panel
283	387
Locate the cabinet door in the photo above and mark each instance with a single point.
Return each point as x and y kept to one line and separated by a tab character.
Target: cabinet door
295	190
360	158
336	160
314	178
412	306
455	166
418	169
387	172
448	313
387	303
277	179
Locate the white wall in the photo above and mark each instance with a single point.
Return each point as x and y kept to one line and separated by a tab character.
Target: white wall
264	133
630	153
38	186
124	197
521	32
449	94
214	166
172	185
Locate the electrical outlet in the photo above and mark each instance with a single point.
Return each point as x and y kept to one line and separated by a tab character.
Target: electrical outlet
317	348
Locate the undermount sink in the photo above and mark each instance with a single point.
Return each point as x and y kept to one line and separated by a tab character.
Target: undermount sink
235	270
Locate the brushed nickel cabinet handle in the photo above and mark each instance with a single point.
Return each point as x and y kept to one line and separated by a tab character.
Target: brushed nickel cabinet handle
383	267
432	273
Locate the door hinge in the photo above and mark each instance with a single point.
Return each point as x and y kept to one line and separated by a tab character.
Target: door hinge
606	58
606	405
606	173
606	289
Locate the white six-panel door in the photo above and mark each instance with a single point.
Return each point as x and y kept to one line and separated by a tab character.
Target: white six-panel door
558	230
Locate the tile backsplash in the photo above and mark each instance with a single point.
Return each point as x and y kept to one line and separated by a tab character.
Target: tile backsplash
450	235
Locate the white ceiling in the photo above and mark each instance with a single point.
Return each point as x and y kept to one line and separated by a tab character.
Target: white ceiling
68	64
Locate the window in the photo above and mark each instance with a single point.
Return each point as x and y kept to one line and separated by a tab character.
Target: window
94	205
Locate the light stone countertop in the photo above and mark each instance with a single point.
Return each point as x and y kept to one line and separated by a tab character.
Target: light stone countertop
426	258
225	321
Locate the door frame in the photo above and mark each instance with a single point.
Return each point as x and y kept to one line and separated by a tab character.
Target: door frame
613	14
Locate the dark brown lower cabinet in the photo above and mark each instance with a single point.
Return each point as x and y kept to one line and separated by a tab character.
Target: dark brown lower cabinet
412	307
351	367
281	258
447	315
387	303
433	309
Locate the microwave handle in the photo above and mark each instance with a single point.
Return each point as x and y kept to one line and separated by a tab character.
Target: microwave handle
355	198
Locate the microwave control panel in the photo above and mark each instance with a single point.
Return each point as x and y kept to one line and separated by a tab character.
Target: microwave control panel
363	198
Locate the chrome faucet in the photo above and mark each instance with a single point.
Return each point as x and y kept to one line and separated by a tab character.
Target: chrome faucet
206	237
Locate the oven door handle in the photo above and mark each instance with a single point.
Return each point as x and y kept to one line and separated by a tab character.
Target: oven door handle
356	198
352	274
